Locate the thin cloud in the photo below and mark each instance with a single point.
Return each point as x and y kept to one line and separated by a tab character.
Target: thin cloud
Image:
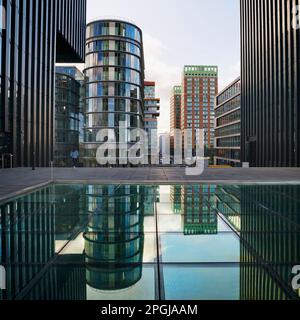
229	75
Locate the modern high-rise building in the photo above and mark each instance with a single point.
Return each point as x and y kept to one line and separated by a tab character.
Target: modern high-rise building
115	84
152	112
175	117
270	77
36	35
228	125
68	113
199	89
175	109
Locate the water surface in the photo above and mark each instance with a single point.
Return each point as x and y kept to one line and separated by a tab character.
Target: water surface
110	242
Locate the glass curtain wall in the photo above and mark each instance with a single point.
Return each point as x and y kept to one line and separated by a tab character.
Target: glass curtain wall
114	84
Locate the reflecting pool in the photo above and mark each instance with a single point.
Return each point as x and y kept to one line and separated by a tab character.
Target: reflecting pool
149	242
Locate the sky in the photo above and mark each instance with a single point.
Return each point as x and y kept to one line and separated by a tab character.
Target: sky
178	33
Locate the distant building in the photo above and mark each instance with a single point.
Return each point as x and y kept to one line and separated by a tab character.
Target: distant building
199	89
79	77
164	148
68	113
228	125
72	71
175	109
152	112
175	116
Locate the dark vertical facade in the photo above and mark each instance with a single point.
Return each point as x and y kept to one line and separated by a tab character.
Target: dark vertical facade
36	35
71	30
270	42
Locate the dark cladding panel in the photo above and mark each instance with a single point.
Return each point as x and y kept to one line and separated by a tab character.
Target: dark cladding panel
270	75
71	30
35	33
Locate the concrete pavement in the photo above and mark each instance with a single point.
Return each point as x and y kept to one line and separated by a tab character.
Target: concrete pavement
16	181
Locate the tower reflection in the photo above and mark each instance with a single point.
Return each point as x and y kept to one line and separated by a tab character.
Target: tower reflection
228	203
199	215
33	229
88	242
114	239
267	219
175	198
195	203
270	222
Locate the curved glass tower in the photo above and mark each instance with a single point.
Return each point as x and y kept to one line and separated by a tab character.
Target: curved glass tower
115	82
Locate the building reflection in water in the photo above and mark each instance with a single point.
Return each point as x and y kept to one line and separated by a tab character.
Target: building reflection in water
70	212
267	219
114	240
33	229
27	238
270	228
175	198
36	228
109	223
228	204
199	216
195	204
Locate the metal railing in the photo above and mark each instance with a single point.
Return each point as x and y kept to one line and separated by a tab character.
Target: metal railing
4	155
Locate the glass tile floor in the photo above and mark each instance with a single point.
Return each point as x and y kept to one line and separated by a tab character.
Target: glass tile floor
142	242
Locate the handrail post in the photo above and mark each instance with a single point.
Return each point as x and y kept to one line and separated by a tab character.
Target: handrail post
33	161
52	171
10	155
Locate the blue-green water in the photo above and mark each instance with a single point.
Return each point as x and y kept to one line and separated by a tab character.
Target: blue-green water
111	242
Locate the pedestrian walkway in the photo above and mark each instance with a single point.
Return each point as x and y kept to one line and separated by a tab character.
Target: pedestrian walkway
19	180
